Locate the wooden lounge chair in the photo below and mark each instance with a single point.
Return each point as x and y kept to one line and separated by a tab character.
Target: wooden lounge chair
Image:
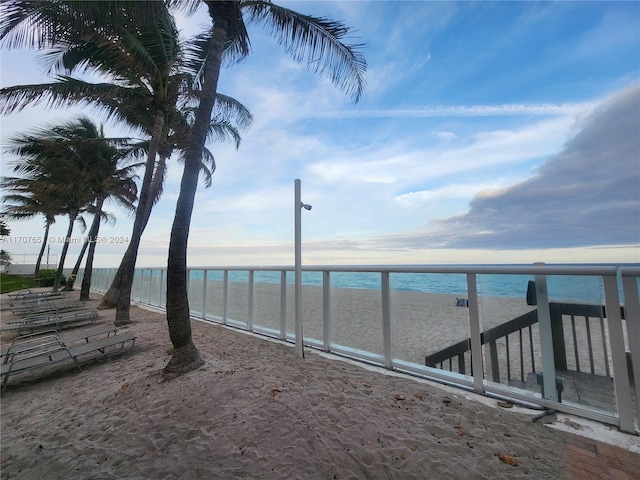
51	350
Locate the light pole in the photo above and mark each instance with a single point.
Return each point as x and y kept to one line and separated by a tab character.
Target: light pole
297	207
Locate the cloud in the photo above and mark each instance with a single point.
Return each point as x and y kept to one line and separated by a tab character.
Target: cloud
459	111
587	195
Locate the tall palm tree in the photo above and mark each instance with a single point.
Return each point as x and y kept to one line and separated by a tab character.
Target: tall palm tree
317	40
150	83
109	177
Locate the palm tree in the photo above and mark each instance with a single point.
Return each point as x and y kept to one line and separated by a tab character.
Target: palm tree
43	163
48	155
150	82
109	178
110	181
317	40
28	201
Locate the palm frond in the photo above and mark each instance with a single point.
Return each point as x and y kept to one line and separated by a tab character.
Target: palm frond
40	24
316	41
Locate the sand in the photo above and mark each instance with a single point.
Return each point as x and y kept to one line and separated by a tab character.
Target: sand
257	411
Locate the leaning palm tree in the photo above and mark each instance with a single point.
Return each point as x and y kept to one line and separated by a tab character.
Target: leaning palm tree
221	129
113	181
110	177
316	40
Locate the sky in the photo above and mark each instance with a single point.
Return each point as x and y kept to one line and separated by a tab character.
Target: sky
488	132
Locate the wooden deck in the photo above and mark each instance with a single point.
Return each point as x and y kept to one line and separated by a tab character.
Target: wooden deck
585	389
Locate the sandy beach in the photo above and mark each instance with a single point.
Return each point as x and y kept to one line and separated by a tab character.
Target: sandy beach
257	411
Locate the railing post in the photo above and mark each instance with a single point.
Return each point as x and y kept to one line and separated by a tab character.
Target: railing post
225	295
386	319
632	316
250	301
326	311
546	339
477	369
140	285
618	356
283	304
163	286
204	293
150	285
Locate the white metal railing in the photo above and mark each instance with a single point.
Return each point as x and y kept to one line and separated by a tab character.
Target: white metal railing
377	318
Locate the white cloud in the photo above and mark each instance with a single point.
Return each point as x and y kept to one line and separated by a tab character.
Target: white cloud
460	111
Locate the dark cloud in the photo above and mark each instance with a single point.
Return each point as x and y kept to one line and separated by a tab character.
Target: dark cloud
587	195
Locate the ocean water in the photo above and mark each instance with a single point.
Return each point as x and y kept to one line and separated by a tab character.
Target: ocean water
560	287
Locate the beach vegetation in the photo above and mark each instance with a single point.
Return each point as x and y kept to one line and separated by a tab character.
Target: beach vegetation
47	277
11	283
5	258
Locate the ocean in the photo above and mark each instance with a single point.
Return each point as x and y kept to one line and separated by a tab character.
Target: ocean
560	287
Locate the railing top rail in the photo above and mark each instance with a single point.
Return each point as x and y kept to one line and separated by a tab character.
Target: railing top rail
586	270
630	271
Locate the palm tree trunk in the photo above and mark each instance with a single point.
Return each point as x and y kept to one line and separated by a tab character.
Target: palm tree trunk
185	356
71	279
45	241
110	299
93	235
128	264
63	254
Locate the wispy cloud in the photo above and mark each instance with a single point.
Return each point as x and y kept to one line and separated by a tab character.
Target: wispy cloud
461	111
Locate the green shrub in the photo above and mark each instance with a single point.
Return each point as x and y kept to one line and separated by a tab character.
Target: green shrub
47	276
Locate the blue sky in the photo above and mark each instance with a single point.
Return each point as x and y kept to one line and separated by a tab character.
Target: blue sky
503	132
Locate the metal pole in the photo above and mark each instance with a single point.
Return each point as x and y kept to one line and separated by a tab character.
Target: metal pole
297	207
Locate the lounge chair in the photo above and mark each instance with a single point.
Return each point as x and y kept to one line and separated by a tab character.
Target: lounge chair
25	342
51	350
30	295
48	320
42	304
